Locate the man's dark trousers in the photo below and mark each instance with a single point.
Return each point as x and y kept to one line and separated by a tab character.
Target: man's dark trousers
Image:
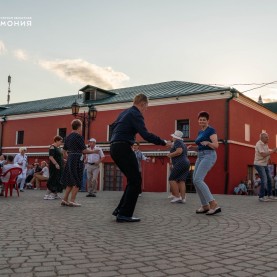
126	160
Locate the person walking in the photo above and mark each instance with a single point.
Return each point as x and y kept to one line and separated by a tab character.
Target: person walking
140	157
55	169
74	148
207	143
93	169
124	129
262	155
180	168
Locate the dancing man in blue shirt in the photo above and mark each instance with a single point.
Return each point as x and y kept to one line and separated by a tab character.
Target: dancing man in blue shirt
127	125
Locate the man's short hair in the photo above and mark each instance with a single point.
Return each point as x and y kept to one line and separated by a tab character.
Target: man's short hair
263	135
76	123
140	98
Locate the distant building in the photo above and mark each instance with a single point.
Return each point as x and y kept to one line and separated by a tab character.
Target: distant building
173	105
271	106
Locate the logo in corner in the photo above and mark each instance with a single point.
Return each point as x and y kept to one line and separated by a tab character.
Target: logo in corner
16	21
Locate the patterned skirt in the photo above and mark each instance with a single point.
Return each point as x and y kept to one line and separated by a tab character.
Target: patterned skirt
73	172
179	171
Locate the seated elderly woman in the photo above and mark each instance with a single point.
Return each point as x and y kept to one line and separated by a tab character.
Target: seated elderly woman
8	165
42	175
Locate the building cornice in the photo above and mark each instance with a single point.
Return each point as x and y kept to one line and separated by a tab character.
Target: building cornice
118	106
255	106
240	143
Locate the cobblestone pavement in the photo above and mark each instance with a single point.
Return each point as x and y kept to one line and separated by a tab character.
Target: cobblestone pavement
40	238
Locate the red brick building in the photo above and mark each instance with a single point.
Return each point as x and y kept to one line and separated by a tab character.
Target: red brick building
173	105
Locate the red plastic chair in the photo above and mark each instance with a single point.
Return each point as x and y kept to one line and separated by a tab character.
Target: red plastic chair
11	183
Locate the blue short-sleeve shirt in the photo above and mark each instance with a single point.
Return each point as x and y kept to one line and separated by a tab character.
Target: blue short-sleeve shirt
204	135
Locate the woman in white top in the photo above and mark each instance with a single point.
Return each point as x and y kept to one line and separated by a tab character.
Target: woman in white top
21	160
43	175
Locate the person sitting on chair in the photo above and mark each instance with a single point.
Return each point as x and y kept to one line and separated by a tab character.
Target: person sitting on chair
7	166
43	175
241	189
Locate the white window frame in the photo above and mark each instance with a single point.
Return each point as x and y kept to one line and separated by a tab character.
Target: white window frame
16	137
247	132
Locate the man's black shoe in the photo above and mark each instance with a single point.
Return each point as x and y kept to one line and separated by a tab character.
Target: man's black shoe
93	195
115	212
122	218
89	195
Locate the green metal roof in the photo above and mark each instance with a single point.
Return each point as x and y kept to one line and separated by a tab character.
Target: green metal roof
153	91
272	106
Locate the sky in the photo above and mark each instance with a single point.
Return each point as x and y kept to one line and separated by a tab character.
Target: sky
67	44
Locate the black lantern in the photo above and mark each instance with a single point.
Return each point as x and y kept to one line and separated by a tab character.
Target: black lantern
75	107
92	112
86	117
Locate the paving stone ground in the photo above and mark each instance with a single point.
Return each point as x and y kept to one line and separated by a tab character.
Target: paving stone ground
40	238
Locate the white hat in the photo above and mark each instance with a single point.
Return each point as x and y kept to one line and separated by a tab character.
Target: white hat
92	140
178	135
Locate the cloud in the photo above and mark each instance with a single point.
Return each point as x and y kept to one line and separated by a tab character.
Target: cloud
2	48
20	55
268	100
267	94
78	70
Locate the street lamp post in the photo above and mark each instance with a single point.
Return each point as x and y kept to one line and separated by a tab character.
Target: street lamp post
9	89
85	117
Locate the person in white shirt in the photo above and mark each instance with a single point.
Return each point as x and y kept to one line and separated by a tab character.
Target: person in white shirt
92	162
262	156
21	160
43	175
8	165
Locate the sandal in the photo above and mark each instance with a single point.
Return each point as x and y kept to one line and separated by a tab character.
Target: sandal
64	203
201	210
74	204
214	211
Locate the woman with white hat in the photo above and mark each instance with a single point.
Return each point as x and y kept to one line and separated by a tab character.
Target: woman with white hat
180	169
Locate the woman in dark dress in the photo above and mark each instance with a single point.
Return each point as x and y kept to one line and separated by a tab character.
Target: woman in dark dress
180	169
72	176
55	169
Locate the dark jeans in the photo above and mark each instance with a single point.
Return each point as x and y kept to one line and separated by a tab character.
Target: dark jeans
126	160
28	179
266	186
